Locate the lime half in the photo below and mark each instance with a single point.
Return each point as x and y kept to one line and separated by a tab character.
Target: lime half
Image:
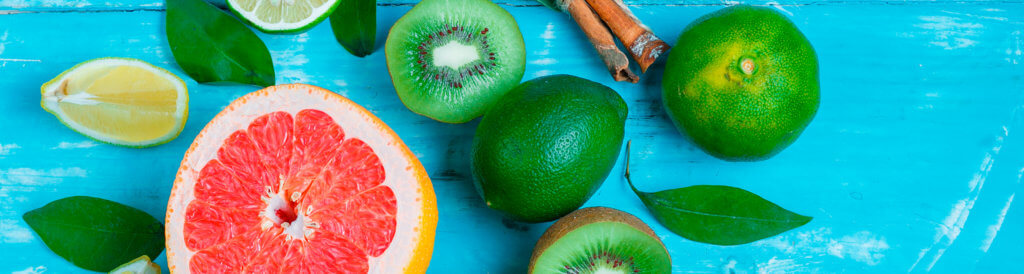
120	101
283	15
140	265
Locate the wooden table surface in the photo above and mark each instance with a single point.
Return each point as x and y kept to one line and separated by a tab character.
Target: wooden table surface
911	164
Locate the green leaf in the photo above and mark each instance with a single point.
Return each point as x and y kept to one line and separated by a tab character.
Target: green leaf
96	234
721	215
212	46
354	23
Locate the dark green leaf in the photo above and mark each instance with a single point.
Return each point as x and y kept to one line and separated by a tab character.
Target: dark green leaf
354	23
552	4
212	46
96	234
720	215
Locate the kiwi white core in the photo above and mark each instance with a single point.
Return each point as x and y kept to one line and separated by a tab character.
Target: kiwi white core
454	55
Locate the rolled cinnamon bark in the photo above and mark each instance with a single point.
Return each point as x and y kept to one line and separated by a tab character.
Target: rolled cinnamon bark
602	40
643	45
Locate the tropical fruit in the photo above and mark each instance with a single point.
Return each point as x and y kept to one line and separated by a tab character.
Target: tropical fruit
742	83
452	60
547	146
277	16
141	265
120	101
295	178
600	240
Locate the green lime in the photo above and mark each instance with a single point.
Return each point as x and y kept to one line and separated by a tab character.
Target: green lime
546	146
277	16
742	83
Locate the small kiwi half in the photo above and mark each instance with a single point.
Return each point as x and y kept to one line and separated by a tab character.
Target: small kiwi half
450	60
600	240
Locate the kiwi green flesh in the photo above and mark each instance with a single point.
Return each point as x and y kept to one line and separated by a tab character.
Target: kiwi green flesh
437	90
604	247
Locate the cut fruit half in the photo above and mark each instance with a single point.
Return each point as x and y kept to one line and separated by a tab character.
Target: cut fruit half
140	265
278	16
120	101
600	240
298	178
451	60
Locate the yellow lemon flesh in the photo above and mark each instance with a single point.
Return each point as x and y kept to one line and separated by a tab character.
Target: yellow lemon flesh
119	101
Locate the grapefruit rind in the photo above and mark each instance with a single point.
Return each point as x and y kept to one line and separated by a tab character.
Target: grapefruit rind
414	235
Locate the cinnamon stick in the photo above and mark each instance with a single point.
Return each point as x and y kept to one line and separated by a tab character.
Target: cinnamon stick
602	40
643	45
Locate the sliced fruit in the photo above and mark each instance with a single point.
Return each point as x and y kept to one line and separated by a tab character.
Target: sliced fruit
120	101
600	240
742	83
280	16
297	178
141	265
547	146
452	60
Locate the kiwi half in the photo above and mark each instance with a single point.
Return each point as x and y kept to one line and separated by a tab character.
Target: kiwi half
450	60
600	240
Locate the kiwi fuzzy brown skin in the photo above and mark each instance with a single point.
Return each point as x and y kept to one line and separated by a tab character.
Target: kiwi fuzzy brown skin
585	216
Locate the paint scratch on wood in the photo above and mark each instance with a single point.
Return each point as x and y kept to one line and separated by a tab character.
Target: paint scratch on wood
953	224
950	32
19	60
862	246
31	270
5	149
993	229
996	18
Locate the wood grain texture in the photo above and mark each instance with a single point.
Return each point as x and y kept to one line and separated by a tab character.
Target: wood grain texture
911	164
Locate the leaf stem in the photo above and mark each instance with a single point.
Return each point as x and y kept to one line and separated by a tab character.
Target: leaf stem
628	180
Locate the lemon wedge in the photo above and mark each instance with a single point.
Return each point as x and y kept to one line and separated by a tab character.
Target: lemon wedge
120	101
140	265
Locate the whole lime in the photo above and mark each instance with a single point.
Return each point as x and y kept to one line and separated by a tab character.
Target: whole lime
742	83
546	146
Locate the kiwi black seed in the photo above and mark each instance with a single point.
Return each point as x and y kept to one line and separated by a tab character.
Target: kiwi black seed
599	240
450	60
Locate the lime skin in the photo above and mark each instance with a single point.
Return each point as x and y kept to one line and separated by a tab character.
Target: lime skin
547	146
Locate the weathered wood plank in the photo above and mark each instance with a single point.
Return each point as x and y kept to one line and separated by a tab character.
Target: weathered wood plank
911	164
20	6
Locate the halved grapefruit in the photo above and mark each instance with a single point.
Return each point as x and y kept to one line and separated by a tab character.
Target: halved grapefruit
295	178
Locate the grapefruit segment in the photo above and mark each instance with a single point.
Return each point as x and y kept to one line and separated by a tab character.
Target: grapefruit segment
317	137
269	248
293	259
238	155
367	219
356	168
227	257
297	179
207	225
333	254
219	187
272	134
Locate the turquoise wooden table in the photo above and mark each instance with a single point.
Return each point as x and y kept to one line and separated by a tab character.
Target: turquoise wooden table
911	165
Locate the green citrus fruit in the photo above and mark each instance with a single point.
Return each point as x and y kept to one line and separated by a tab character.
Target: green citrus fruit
546	146
742	83
287	16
